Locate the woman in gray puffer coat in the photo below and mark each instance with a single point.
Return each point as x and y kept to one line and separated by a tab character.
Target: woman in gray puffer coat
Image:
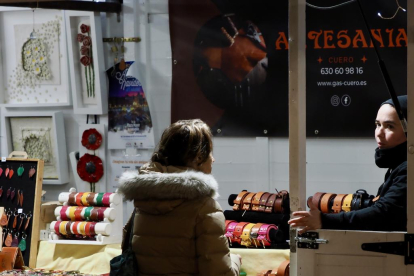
179	226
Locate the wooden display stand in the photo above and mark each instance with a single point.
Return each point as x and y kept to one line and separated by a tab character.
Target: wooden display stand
32	191
107	232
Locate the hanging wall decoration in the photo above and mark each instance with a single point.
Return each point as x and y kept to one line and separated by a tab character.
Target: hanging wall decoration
91	165
34	69
86	60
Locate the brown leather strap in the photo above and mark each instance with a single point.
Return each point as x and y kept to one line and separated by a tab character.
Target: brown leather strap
263	201
256	201
316	199
247	202
326	201
278	207
283	269
72	201
337	206
239	200
270	203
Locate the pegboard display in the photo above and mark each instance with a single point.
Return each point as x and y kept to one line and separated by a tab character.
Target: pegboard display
20	195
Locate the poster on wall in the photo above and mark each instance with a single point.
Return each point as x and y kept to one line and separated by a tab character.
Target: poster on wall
129	118
121	164
230	65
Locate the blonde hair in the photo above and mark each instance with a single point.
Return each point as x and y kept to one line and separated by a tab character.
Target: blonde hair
183	142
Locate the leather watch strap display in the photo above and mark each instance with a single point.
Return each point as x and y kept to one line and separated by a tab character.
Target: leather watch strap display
327	202
316	199
346	204
245	237
270	203
239	200
337	206
238	231
256	201
263	201
247	202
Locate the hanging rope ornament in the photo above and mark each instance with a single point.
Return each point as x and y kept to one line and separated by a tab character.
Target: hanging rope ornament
90	169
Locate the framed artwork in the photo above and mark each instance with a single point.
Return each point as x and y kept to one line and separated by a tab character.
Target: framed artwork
42	136
34	65
86	62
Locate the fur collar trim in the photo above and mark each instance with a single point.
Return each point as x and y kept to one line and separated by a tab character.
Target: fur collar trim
161	186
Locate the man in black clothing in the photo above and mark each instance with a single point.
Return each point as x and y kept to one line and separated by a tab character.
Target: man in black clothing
389	211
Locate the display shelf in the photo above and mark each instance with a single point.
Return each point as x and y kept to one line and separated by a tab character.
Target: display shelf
107	231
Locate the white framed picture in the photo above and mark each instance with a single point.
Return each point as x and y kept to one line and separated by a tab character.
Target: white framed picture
42	136
34	69
86	62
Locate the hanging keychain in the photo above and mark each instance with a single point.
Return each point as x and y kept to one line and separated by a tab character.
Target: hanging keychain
5	230
22	243
11	172
20	170
32	172
4	219
7	171
9	238
15	240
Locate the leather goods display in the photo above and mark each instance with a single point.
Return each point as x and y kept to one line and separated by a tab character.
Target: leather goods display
337	206
250	234
329	202
316	200
247	202
346	204
256	201
11	258
239	200
261	202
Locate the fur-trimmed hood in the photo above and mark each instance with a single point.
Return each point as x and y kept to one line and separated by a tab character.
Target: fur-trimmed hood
156	182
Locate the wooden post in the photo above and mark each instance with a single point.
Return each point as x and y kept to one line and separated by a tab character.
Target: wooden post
297	115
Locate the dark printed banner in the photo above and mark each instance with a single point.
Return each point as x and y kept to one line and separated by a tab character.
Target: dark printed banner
231	65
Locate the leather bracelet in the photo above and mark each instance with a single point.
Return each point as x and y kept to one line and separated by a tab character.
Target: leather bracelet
238	231
72	200
316	199
87	213
254	233
78	199
264	234
82	228
337	206
265	272
239	200
283	269
83	199
101	215
256	201
263	201
87	229
62	227
230	231
326	202
227	222
346	204
63	215
57	227
106	198
75	228
77	213
356	202
270	203
91	199
94	214
245	236
278	206
67	227
99	199
247	202
72	213
92	228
